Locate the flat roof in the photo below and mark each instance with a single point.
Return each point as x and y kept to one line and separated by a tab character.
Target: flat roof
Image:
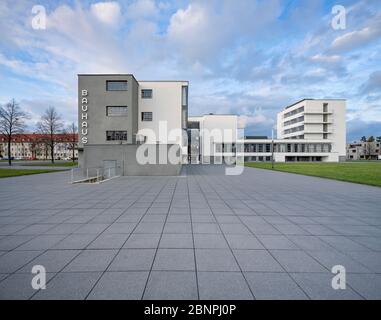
107	74
310	99
127	74
215	114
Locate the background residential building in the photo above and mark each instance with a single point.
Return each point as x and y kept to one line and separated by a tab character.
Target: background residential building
365	150
33	146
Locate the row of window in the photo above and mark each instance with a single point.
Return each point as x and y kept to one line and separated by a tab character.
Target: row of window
288	147
291	113
296	129
121	85
289	122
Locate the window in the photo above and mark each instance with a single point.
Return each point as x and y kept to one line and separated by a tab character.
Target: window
116	135
325	135
116	111
146	116
325	107
116	85
146	93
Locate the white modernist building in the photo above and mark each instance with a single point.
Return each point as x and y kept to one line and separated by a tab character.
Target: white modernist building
308	130
316	120
211	136
117	115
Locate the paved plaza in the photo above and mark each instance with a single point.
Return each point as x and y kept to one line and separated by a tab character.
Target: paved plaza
202	235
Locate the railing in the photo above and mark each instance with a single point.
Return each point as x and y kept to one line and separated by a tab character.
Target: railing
94	174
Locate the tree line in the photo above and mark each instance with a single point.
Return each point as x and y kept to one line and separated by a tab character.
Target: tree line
13	122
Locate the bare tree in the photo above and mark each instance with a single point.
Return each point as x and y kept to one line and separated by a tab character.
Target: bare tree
50	125
12	121
72	136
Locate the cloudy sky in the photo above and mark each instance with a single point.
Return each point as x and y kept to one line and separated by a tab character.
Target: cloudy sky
248	57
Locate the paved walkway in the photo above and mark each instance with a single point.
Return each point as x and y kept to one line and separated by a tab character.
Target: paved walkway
261	235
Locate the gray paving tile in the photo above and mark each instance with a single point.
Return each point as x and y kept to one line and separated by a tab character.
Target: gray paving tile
276	242
91	228
173	285
274	286
372	260
206	228
18	286
91	260
177	227
243	241
75	241
318	287
149	227
11	242
367	285
234	228
257	260
12	261
332	258
208	241
133	260
119	286
173	240
174	259
120	227
297	261
343	243
223	285
42	242
109	241
141	240
52	260
310	243
291	229
69	286
215	260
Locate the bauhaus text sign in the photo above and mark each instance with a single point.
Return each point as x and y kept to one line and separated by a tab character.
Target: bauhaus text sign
84	108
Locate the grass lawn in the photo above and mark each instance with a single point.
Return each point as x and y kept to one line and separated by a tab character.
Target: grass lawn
55	164
5	173
358	172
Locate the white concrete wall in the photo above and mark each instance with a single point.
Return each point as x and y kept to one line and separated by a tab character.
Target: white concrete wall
165	105
313	112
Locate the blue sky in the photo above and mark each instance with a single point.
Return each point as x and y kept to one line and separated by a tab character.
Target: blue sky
248	57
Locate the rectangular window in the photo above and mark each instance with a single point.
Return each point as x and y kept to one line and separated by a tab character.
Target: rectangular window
116	85
325	107
116	111
116	135
146	116
325	135
146	93
184	96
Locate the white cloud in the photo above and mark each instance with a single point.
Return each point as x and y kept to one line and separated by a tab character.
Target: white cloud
355	39
106	12
326	58
142	9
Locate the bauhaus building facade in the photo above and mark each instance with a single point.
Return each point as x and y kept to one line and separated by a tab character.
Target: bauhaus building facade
118	114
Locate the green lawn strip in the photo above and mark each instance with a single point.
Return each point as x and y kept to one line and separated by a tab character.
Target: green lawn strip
55	164
6	173
363	173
